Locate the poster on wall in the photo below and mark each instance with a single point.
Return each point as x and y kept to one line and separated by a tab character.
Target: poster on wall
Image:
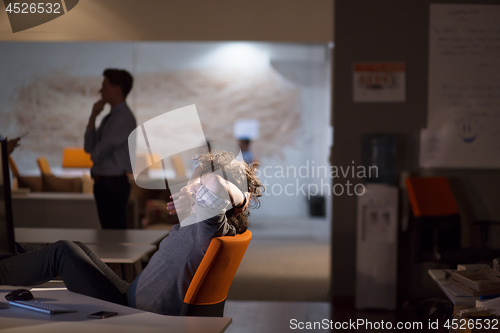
379	82
464	85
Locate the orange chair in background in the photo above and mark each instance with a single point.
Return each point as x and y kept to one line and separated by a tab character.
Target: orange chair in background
13	167
208	290
178	164
43	165
436	224
76	157
34	183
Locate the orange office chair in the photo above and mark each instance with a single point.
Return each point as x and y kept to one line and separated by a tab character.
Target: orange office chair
436	224
208	290
43	165
76	157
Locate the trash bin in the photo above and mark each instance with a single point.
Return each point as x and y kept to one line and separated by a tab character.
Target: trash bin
317	206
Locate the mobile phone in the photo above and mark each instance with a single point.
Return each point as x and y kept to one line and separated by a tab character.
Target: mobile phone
101	314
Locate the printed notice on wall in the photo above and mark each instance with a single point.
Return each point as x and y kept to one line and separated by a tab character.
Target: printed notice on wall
379	82
464	84
433	147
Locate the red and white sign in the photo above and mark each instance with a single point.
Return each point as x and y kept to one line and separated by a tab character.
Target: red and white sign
379	82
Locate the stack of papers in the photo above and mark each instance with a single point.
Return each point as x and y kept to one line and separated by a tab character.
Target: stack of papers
493	305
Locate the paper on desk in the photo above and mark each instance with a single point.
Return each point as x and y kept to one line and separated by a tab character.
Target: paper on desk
457	291
491	304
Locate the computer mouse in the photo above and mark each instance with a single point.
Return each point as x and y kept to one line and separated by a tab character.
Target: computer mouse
19	295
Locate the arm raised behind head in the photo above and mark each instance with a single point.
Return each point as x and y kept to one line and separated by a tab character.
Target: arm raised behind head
223	188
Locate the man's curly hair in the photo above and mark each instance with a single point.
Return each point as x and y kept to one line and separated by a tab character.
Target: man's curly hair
240	174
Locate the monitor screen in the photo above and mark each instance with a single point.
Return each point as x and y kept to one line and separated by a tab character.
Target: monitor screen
7	244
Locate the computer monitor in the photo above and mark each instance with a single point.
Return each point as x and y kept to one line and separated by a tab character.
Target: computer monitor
7	240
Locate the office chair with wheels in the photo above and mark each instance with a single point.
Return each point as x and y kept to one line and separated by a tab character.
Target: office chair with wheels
436	224
208	290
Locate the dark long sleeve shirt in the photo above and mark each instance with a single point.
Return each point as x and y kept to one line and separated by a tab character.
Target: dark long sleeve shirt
108	145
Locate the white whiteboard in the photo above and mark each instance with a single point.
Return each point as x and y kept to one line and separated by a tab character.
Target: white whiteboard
464	85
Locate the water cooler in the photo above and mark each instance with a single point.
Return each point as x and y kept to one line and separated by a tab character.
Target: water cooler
376	247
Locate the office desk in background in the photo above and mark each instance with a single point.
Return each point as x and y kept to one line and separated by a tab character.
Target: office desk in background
125	247
128	256
90	236
127	320
121	254
62	210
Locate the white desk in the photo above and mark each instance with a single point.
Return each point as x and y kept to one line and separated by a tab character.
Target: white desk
55	210
127	320
456	296
90	236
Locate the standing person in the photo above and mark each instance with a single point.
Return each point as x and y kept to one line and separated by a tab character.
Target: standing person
246	153
244	144
108	148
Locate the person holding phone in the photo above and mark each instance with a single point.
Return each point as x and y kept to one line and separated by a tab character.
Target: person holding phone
13	143
109	151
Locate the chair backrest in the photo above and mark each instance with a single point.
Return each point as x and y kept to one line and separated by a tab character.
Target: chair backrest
76	157
431	196
43	165
13	167
208	289
179	167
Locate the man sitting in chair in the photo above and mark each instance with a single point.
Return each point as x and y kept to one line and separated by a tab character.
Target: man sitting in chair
215	205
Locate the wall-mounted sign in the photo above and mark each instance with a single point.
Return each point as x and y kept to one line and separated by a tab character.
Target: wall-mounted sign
379	82
433	147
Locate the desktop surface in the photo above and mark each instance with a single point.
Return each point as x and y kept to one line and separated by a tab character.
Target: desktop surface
128	319
454	293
